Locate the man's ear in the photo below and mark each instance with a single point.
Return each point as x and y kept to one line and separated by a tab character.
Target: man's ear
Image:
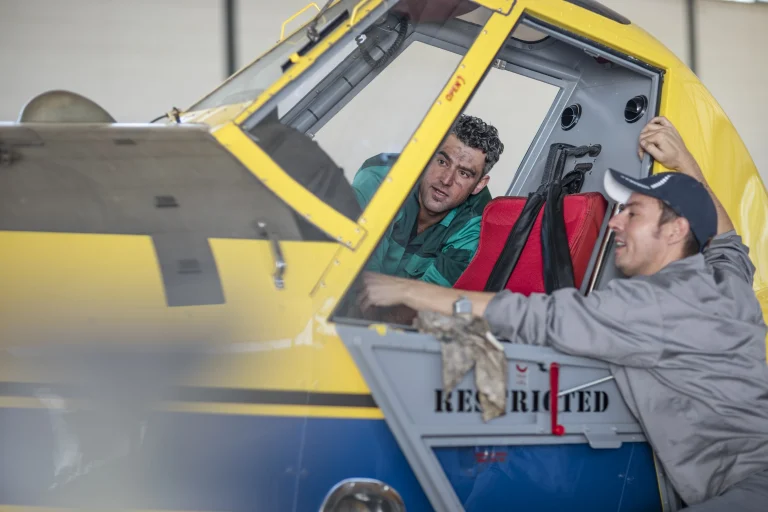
679	230
481	184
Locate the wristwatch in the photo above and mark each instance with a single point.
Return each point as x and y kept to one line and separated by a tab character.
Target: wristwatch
463	306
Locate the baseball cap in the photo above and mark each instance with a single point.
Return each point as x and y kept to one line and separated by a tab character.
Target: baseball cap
685	195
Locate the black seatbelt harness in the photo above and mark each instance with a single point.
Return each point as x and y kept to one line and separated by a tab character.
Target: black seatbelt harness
556	255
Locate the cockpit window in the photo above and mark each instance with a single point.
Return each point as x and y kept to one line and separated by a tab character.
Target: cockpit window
247	84
362	103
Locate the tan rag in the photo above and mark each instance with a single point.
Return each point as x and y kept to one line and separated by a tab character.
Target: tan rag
464	344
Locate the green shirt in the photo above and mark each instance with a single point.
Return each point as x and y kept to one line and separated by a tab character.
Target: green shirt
440	253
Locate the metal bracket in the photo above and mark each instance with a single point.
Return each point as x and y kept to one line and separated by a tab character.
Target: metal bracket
585	386
603	440
296	15
277	255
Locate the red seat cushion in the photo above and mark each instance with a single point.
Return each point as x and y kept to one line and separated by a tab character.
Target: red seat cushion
583	214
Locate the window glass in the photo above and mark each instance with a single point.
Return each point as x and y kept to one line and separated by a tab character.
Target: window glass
251	81
513	100
362	103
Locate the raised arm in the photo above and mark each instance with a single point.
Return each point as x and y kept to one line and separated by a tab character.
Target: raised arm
663	142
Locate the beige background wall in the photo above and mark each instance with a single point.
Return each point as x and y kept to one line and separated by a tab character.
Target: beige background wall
138	58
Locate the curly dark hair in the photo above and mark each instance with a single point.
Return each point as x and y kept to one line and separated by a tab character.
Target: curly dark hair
476	133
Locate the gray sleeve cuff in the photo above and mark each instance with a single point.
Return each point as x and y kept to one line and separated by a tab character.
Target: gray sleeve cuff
496	313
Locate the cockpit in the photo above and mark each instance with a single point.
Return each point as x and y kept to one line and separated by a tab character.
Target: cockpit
546	90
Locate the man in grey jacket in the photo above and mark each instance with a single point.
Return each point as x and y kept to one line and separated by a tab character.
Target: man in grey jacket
684	335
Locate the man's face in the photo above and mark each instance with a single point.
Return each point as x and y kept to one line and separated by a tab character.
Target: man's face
642	246
454	173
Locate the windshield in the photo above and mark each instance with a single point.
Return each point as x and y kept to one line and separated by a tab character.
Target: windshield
248	83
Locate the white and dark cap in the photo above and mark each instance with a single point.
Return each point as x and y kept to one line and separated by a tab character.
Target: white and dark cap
685	195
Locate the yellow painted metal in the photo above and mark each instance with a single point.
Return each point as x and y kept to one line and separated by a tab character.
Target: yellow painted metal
258	333
312	411
336	225
304	63
301	11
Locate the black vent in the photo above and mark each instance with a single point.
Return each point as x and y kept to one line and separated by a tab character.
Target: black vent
570	117
635	109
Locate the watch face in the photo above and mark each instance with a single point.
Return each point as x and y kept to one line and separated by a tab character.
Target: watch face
461	306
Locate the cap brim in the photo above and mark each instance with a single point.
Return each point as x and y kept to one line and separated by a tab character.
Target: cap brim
614	189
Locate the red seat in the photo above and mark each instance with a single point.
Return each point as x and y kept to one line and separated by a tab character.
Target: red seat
583	214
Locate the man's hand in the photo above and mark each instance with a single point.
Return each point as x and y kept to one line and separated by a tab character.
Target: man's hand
385	291
663	142
380	290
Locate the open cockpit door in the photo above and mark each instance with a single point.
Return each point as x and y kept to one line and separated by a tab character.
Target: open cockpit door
584	446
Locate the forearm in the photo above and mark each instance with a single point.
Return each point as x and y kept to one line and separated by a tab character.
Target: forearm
692	169
428	297
619	325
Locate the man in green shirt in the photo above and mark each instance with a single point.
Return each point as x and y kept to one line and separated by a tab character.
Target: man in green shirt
435	234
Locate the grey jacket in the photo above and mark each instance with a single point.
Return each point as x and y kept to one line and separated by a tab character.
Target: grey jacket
687	349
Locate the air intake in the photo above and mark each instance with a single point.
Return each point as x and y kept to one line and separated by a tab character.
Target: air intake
635	109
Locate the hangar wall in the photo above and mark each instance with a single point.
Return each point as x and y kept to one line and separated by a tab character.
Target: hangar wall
140	58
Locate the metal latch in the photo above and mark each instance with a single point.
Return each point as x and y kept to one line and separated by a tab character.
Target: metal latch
277	255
